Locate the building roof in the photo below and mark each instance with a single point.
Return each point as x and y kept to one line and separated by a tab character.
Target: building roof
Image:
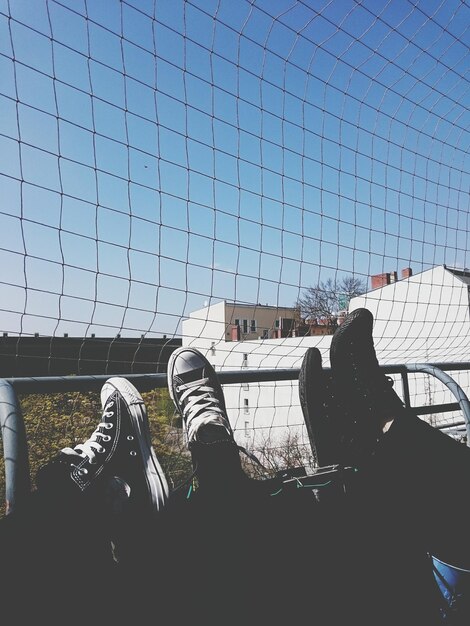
247	305
463	275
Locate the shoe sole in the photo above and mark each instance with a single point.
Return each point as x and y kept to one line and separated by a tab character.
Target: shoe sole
311	373
362	388
171	363
367	321
154	475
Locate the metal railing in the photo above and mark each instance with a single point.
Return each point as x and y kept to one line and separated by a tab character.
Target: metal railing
15	447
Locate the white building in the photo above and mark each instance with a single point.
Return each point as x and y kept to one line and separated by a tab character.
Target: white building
423	318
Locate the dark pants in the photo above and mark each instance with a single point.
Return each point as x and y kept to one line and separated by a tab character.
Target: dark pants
239	554
54	556
413	493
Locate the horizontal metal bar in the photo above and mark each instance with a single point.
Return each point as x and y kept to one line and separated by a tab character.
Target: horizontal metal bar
437	408
413	367
257	376
146	382
454	425
451	384
61	384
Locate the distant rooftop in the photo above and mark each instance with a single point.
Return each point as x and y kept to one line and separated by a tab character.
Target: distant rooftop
463	275
252	306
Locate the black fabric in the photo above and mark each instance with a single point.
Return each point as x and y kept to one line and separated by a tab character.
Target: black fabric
421	479
237	553
54	551
250	559
409	501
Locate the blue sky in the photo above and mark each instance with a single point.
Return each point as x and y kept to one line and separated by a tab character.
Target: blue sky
158	155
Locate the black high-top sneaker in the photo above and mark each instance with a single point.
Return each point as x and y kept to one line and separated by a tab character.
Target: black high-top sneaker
360	382
198	397
119	447
321	415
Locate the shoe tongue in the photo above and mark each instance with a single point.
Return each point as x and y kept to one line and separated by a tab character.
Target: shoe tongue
192	375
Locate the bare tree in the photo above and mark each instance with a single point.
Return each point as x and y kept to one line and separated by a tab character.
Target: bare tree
289	452
350	287
325	300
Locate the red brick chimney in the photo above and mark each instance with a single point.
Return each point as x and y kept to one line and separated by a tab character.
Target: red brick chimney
379	280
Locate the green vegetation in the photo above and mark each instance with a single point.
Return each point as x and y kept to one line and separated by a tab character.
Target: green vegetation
59	420
62	420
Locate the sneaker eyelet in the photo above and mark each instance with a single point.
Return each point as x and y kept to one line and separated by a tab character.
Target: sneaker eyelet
130	438
108	425
133	453
101	450
106	437
83	471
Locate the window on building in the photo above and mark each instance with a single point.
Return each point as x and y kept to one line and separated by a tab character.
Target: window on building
277	323
245	326
237	322
245	359
253	326
265	333
213	348
247	428
246	407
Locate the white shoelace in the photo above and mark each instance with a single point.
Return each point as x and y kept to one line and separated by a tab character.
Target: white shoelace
202	407
92	446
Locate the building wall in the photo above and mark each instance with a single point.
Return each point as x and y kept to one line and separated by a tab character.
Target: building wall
267	410
214	323
423	318
205	327
267	319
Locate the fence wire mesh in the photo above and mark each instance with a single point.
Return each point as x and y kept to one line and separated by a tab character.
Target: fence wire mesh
235	176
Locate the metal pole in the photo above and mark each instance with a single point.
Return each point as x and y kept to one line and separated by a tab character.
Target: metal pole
147	382
451	384
15	447
406	388
143	382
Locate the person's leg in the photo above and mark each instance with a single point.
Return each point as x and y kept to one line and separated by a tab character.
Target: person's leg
198	397
256	555
357	537
421	466
215	516
436	471
317	402
412	478
57	548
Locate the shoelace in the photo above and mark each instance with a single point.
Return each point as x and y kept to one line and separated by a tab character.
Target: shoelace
92	446
202	408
